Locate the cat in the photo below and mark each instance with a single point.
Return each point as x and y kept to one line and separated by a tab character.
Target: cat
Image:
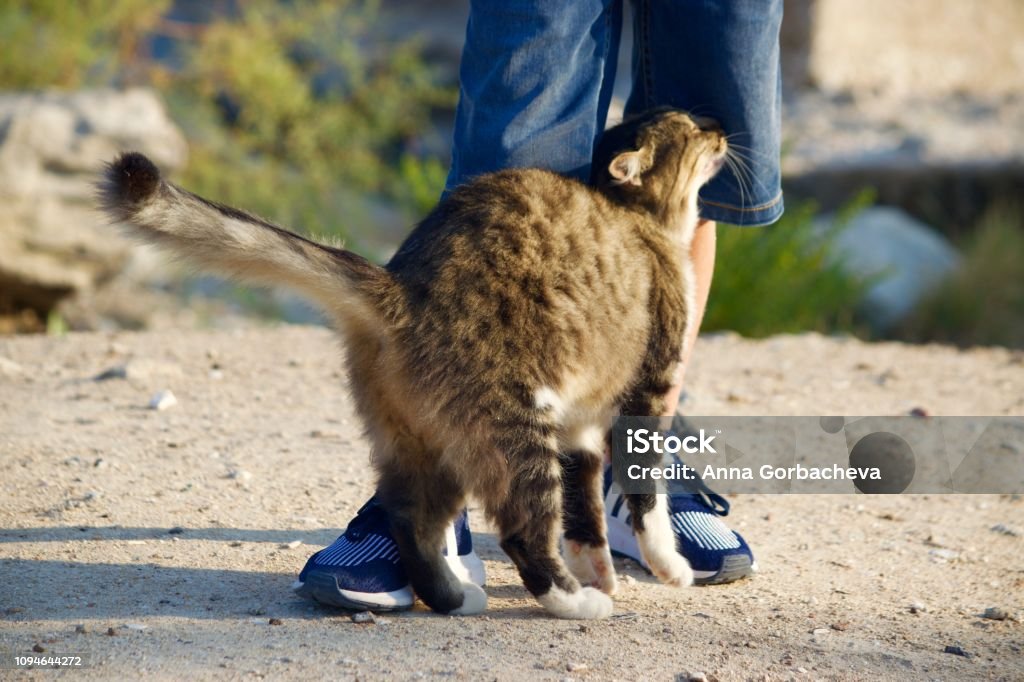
489	355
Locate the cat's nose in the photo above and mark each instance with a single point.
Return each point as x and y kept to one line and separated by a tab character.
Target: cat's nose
707	124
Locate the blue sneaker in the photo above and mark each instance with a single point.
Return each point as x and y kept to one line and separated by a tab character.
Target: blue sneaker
717	554
362	570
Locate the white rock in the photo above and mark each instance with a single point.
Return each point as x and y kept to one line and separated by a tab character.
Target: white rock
909	257
943	555
9	367
163	400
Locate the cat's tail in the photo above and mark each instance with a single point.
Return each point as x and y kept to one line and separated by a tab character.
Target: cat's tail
233	243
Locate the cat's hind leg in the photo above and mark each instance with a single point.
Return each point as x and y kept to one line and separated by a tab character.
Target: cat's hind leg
530	518
586	542
420	506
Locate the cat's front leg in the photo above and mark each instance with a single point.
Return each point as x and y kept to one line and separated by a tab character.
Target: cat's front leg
649	510
649	516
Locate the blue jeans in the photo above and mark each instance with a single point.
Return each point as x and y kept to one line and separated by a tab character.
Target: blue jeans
537	75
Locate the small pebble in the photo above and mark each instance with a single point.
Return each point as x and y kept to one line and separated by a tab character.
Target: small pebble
956	651
177	530
9	367
258	610
290	545
163	400
81	629
111	632
118	372
138	627
575	667
1003	529
995	613
692	677
275	621
363	617
38	648
943	555
240	475
918	607
820	632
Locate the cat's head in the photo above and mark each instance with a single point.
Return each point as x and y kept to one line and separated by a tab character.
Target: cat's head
660	158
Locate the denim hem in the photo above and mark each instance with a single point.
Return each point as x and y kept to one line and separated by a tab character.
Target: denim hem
754	216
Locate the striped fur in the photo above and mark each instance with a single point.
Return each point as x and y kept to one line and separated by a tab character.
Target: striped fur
486	357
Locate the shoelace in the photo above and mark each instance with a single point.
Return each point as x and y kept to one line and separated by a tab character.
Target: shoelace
715	503
366	515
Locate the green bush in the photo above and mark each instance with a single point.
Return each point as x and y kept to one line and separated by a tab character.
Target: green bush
983	303
294	110
60	44
779	279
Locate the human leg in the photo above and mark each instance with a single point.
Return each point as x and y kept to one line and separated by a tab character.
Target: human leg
717	59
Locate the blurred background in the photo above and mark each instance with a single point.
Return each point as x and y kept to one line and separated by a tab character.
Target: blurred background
903	157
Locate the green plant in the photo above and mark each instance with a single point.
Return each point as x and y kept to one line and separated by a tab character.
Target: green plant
296	110
983	302
780	278
60	44
298	122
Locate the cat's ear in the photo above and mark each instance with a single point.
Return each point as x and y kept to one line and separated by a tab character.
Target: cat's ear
627	167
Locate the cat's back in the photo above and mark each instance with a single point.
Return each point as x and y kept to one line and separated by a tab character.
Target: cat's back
522	276
511	208
530	232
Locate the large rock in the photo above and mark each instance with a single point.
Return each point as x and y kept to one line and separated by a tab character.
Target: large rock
907	257
53	242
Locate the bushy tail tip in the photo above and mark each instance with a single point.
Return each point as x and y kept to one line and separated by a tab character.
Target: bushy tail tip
128	181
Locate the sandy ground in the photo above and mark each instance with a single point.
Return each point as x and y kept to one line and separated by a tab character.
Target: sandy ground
162	543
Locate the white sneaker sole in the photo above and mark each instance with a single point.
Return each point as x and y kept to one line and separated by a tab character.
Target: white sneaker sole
323	587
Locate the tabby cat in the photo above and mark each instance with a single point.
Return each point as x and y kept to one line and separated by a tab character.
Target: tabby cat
489	355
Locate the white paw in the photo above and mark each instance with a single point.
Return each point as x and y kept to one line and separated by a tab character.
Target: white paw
474	601
591	565
658	546
586	603
669	567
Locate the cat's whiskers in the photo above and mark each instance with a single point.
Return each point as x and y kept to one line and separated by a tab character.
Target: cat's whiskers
741	172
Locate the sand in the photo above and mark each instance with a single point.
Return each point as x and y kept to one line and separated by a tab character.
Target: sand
162	543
